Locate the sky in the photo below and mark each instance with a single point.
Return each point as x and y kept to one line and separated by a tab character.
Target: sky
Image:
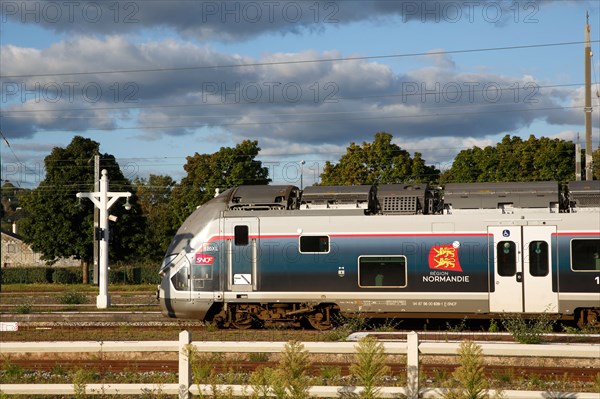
156	81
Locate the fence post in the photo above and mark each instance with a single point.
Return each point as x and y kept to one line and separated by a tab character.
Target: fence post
185	370
412	365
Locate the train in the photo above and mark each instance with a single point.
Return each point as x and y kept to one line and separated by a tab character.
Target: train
277	255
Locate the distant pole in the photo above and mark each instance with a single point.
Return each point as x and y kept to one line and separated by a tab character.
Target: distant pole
588	101
302	175
103	200
578	162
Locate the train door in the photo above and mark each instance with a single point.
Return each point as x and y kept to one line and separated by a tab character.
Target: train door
522	269
242	253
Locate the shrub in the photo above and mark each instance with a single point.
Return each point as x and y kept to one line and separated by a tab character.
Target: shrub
64	276
469	380
73	298
370	368
26	275
529	331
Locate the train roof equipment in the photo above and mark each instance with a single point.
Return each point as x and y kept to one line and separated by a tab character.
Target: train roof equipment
506	197
584	194
405	199
261	197
339	197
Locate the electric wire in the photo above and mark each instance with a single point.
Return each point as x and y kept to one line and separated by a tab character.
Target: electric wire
310	61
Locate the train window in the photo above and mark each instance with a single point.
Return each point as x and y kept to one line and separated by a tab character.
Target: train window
538	259
240	235
381	271
506	253
314	244
585	254
180	279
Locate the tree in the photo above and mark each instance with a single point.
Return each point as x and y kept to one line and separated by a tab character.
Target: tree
596	161
225	168
154	196
513	159
379	162
58	226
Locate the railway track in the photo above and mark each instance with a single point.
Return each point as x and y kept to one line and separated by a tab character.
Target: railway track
240	368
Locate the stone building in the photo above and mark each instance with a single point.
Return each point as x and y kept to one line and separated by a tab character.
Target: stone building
16	253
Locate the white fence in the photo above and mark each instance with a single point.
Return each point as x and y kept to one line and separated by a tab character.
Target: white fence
184	389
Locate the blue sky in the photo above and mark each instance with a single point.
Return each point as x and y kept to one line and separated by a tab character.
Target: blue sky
134	76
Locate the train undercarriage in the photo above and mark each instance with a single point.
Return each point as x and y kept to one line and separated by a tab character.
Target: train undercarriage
282	315
326	316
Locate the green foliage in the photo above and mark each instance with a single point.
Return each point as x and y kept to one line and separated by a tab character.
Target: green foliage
154	195
528	331
596	163
25	307
118	274
26	275
66	276
330	374
462	326
11	371
379	162
469	380
60	228
493	328
258	357
80	379
370	367
73	298
260	381
289	380
294	369
513	159
224	169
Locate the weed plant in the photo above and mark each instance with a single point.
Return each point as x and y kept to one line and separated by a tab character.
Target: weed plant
370	368
24	308
469	381
530	331
73	298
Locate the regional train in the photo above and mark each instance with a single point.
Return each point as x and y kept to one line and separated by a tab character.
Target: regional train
277	255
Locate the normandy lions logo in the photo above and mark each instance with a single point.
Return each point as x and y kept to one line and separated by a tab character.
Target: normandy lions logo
445	257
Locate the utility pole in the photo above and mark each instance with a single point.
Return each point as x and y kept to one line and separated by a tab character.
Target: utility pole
96	219
588	100
103	200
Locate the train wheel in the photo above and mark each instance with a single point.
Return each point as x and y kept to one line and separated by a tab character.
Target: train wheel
320	320
242	320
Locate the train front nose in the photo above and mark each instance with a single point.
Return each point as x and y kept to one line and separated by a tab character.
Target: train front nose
176	293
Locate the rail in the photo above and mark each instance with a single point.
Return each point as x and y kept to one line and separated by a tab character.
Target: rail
184	389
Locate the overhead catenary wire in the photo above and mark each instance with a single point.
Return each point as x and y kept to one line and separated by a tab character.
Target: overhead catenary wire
292	62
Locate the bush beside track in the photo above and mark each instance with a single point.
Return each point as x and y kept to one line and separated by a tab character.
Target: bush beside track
124	274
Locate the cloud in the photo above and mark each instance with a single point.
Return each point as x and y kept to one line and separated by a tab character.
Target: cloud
228	20
296	106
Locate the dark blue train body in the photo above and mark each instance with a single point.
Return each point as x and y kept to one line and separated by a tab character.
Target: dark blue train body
261	255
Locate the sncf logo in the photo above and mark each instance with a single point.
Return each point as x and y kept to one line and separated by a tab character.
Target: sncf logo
204	259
